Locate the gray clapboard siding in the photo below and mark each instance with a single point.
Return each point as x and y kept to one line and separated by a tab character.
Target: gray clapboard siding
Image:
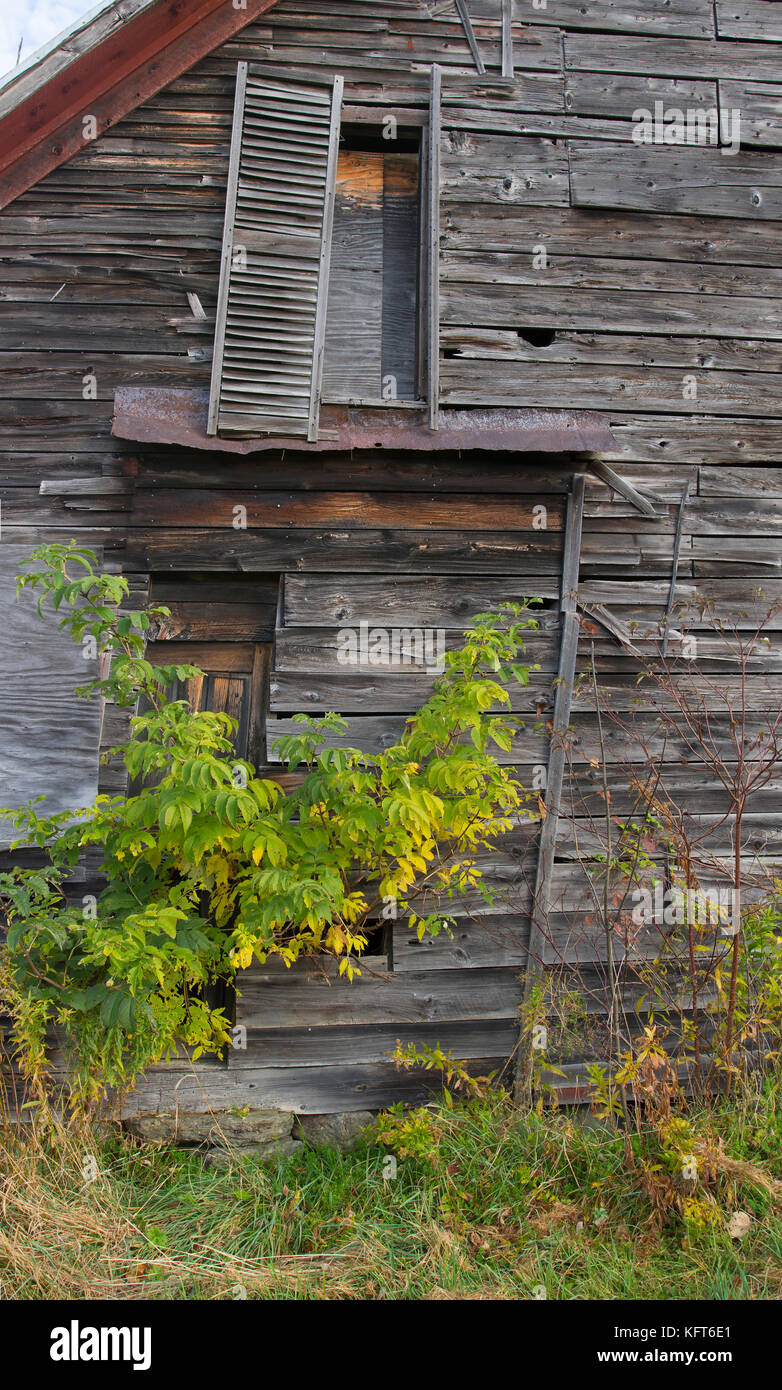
592	271
643	736
49	743
701	180
706	355
739	482
600	388
657	438
373	551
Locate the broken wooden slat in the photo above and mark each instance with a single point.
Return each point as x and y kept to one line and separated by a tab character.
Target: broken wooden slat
617	483
464	15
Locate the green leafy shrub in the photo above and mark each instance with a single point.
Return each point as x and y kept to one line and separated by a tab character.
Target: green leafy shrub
209	868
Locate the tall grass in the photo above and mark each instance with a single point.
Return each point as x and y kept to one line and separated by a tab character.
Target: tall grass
487	1202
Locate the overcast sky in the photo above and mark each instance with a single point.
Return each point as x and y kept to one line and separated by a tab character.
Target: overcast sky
35	22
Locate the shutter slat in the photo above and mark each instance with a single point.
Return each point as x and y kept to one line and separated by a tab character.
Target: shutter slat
276	248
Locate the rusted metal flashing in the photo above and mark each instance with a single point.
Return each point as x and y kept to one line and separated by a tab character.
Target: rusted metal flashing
154	415
129	65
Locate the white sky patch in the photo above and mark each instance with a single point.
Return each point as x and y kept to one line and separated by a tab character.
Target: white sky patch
35	22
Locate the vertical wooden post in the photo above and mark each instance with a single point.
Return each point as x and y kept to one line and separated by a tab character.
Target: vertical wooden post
677	545
568	650
228	246
433	257
507	39
321	310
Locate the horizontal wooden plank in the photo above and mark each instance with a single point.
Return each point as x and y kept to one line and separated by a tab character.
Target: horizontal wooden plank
324	551
569	231
617	96
402	691
748	19
578	348
603	387
470	945
609	310
760	105
713	516
341	1044
658	438
215	622
236	657
321	652
685	19
315	601
200	508
739	482
702	181
711	834
640	737
389	471
687	785
494	169
594	272
301	997
739	602
306	1090
671	57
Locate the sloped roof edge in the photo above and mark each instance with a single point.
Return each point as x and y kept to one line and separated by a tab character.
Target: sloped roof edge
108	63
80	36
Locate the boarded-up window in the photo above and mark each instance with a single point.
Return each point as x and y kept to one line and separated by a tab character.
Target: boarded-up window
329	272
49	740
371	349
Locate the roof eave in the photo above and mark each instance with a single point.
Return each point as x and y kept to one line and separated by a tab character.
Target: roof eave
127	63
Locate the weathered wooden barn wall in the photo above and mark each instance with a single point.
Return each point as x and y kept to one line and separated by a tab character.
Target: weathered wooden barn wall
578	269
42	669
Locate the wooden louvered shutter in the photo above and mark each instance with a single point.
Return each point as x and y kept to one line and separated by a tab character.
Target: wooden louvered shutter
271	310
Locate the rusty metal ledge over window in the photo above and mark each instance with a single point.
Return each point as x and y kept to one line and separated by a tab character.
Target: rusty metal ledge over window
154	415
